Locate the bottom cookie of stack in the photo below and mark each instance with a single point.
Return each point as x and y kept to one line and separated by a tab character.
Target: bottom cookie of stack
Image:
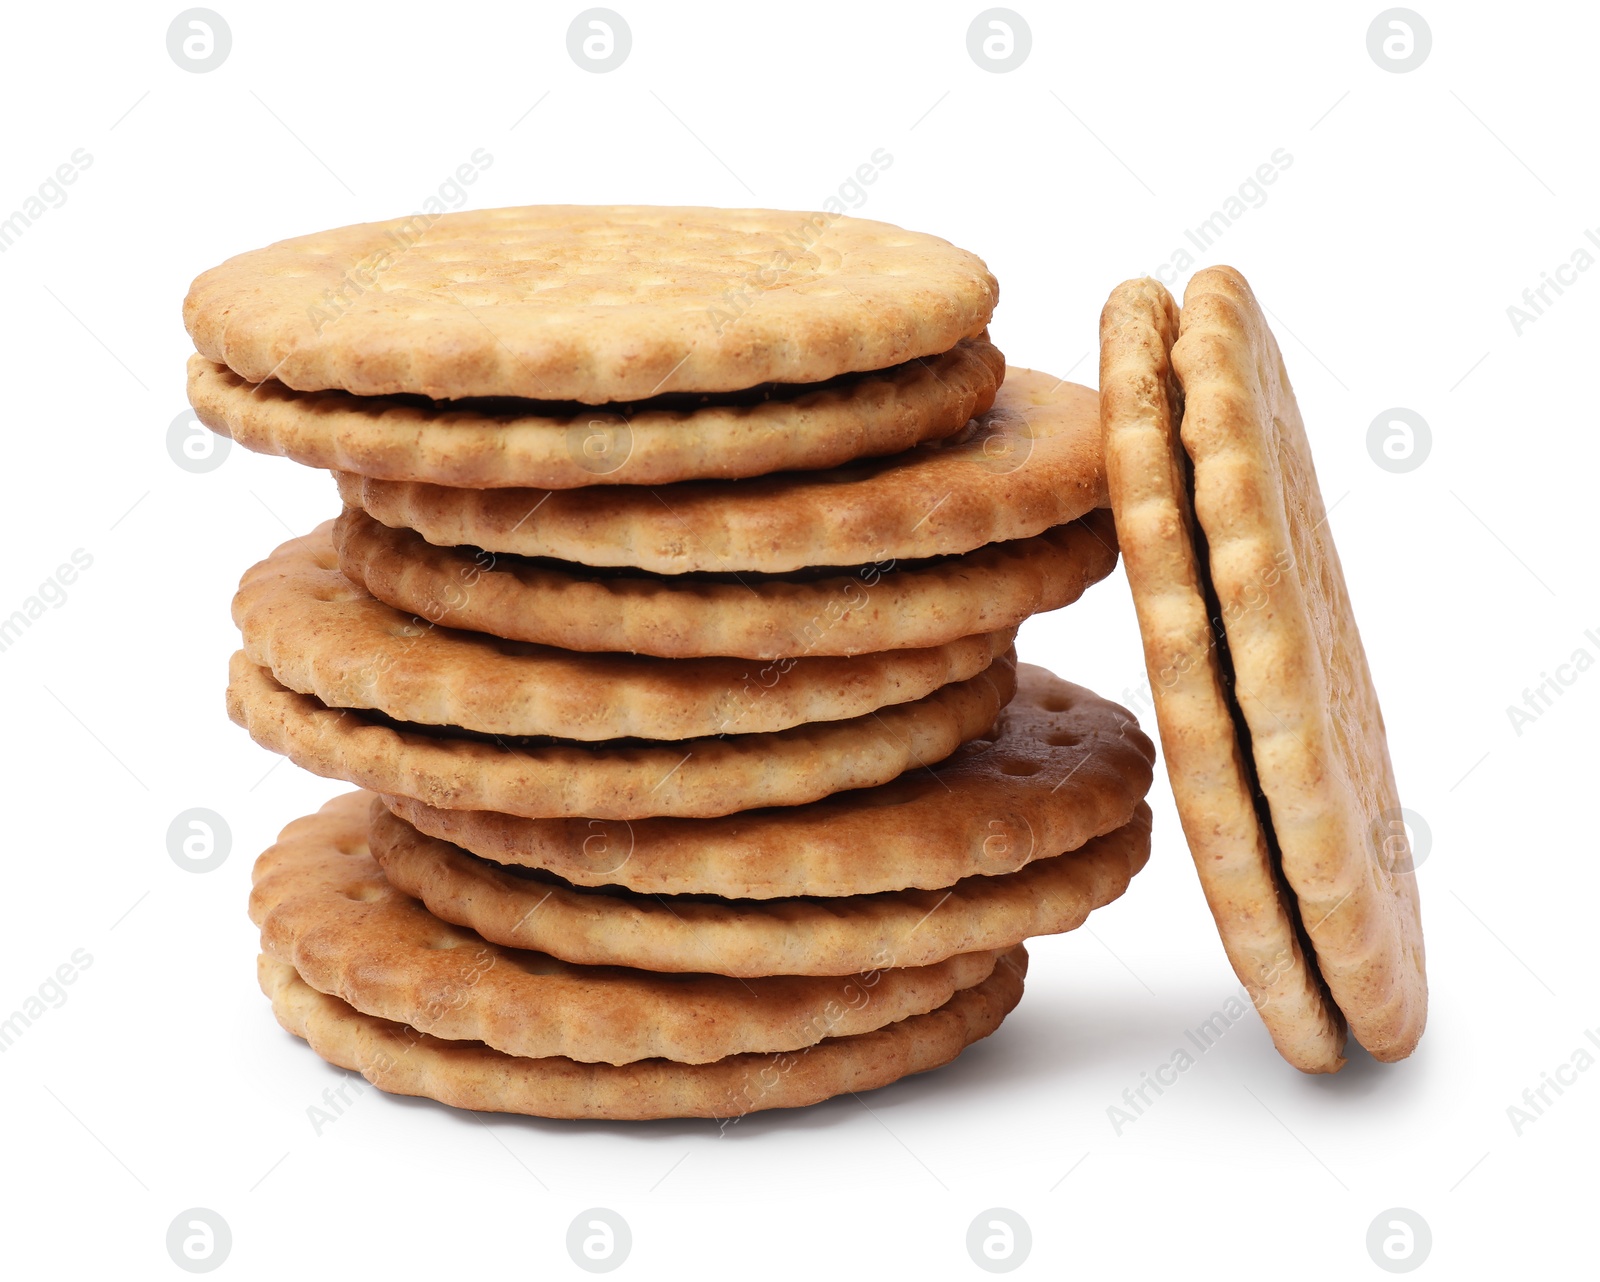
798	952
398	1059
377	983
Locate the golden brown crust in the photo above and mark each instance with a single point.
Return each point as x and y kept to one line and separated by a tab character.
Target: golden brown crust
320	634
745	937
1316	731
1060	767
1032	462
499	443
697	777
325	908
587	303
869	610
397	1059
1140	406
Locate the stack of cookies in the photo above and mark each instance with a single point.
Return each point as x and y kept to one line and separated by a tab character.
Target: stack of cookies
667	631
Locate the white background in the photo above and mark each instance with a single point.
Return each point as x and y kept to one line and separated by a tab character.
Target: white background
1417	208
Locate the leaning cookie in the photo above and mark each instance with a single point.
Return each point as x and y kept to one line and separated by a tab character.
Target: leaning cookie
1268	715
1207	765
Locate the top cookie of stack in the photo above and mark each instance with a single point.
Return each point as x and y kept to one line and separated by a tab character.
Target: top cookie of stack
842	338
593	461
814	393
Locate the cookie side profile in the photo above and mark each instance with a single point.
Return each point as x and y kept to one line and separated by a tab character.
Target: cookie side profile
397	1058
492	443
1302	683
1147	472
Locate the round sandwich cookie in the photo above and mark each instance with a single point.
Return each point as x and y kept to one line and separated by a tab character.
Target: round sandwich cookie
620	779
1060	767
867	610
587	303
325	908
756	937
397	1058
481	444
1031	462
320	634
1269	722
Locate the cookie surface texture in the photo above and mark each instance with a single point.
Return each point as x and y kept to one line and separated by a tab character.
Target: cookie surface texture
870	609
485	444
325	908
1032	462
698	777
398	1059
1060	767
322	635
587	303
